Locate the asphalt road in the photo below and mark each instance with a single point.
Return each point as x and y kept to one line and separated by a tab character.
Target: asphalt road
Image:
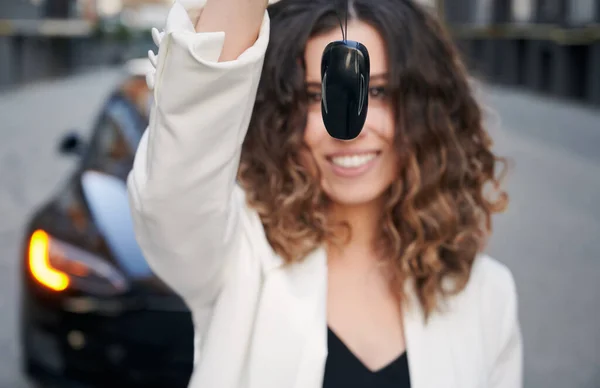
549	237
32	121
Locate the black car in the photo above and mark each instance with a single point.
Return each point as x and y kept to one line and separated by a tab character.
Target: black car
92	311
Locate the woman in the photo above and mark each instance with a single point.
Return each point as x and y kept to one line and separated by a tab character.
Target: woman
326	263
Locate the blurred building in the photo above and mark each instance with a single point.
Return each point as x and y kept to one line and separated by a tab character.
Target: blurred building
33	9
99	9
522	12
18	9
72	9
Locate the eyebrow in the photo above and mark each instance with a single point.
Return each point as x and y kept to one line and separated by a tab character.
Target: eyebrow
374	77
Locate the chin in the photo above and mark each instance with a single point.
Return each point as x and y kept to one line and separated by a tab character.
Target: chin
349	181
358	196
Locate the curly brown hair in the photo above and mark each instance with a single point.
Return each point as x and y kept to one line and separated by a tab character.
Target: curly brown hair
437	215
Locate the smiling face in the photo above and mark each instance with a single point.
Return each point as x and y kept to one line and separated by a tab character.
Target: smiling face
358	171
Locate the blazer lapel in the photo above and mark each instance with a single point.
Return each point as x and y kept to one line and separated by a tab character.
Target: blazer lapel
429	347
288	325
289	348
314	352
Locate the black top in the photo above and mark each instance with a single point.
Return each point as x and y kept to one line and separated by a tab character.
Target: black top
344	370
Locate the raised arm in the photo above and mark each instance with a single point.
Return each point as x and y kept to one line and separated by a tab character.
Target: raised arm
239	19
185	204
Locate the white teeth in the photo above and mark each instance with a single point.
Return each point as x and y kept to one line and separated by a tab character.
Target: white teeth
353	161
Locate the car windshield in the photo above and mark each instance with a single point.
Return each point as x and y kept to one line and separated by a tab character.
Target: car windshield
132	112
130	126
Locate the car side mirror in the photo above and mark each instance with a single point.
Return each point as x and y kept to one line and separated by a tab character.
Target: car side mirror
71	144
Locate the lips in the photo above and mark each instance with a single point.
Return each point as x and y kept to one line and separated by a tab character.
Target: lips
352	164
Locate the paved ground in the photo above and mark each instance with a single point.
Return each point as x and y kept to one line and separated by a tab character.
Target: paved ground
32	121
549	237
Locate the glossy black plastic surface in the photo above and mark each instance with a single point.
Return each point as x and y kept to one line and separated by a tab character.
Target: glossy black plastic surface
345	69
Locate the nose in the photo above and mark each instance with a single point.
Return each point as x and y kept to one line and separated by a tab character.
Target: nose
364	134
377	122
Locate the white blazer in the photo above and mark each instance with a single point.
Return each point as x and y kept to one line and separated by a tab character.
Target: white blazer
259	323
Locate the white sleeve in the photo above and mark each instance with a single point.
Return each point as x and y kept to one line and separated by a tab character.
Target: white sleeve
185	204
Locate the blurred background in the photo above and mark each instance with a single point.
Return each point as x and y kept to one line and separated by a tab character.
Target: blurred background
73	100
